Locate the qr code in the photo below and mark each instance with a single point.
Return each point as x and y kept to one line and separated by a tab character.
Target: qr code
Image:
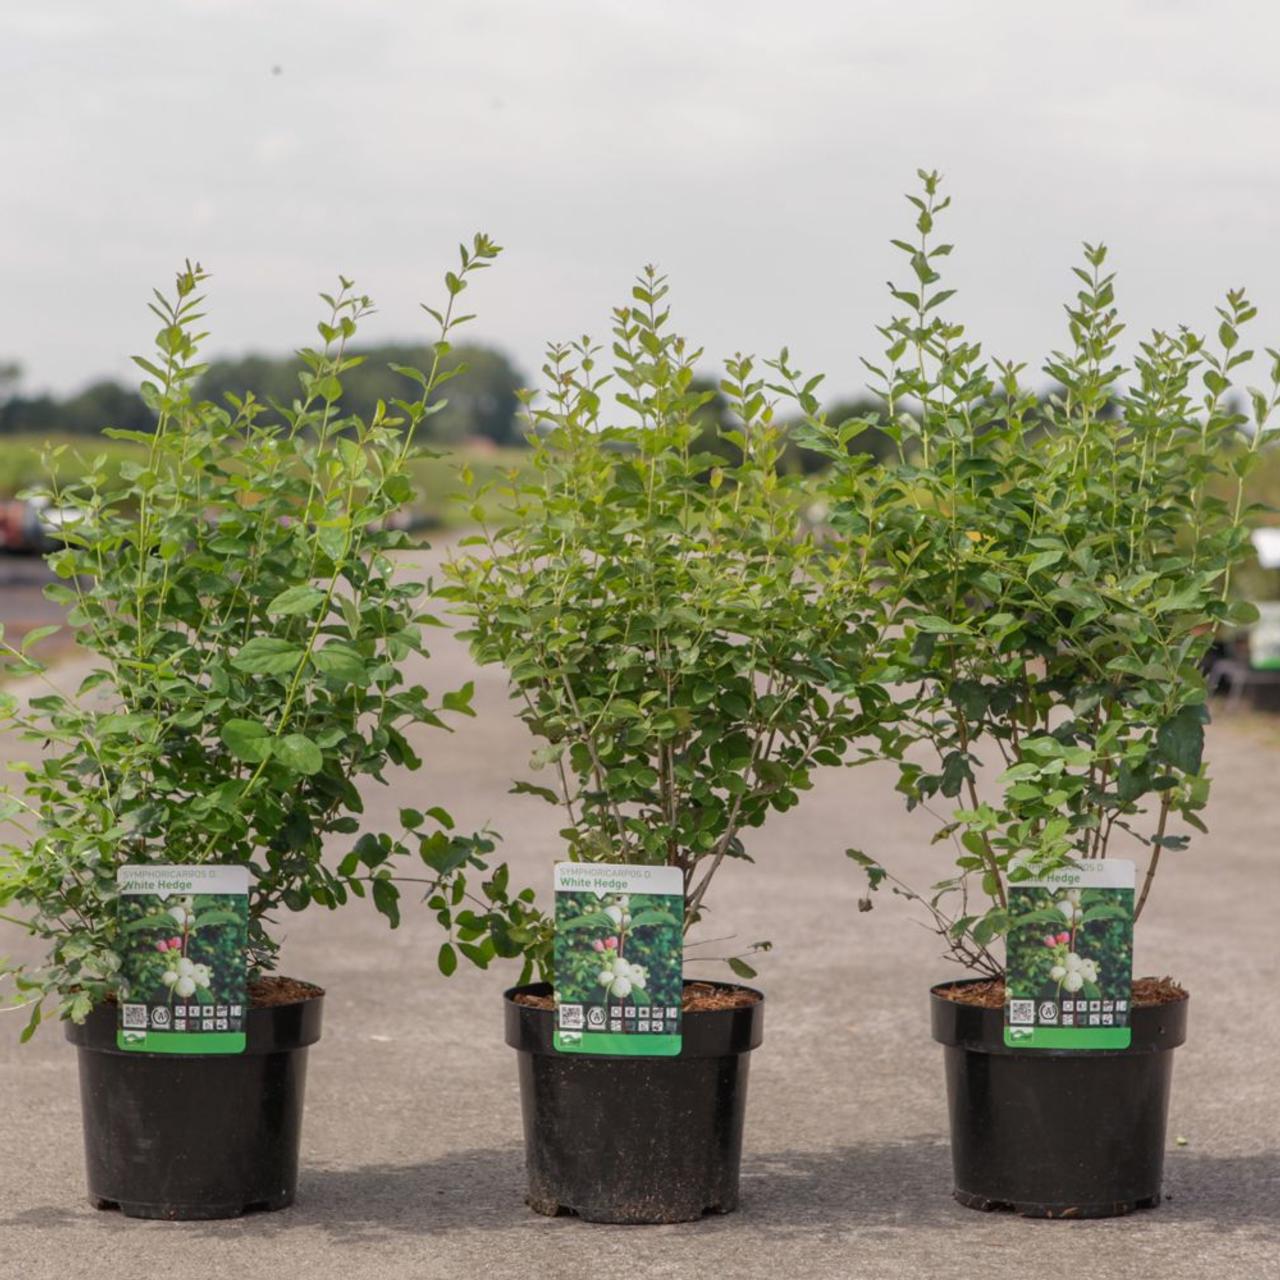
1022	1013
135	1017
570	1017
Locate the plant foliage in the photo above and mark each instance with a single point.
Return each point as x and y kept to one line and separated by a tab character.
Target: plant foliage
674	635
239	593
1063	566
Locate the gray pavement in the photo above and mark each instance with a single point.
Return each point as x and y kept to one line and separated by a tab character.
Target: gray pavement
411	1149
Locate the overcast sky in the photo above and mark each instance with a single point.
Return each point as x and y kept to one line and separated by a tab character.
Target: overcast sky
756	151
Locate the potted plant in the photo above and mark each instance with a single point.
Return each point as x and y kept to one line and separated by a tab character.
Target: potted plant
238	594
1062	564
684	671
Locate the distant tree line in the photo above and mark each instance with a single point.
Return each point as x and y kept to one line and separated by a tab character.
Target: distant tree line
482	401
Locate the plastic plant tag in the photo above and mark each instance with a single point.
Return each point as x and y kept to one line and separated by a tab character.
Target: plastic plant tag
1069	958
619	959
1264	638
184	935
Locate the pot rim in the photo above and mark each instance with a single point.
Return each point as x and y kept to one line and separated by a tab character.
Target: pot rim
277	1028
707	1033
1156	1027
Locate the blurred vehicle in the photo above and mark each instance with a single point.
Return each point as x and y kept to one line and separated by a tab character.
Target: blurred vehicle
31	526
27	527
1244	666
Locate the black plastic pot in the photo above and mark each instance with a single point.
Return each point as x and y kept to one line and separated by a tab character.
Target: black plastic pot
636	1140
178	1137
1054	1133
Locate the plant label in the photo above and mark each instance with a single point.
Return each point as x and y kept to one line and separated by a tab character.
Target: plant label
184	934
1069	958
1264	638
619	959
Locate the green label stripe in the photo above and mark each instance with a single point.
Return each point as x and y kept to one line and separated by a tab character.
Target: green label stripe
618	1044
188	1042
1068	1037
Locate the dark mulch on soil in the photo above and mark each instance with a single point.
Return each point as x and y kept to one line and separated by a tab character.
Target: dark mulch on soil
703	997
265	993
990	994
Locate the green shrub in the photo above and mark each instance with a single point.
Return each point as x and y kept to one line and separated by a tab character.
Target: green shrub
1061	567
237	588
676	639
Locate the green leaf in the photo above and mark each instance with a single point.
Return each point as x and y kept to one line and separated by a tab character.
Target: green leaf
295	600
36	634
529	789
342	662
479	956
297	752
970	698
460	699
741	967
990	926
1181	739
934	625
267	656
247	740
1018	772
37	1015
408	371
447	960
1242	613
1045	560
140	727
386	898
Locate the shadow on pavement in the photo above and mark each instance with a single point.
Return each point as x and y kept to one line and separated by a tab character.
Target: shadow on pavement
868	1187
782	1193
